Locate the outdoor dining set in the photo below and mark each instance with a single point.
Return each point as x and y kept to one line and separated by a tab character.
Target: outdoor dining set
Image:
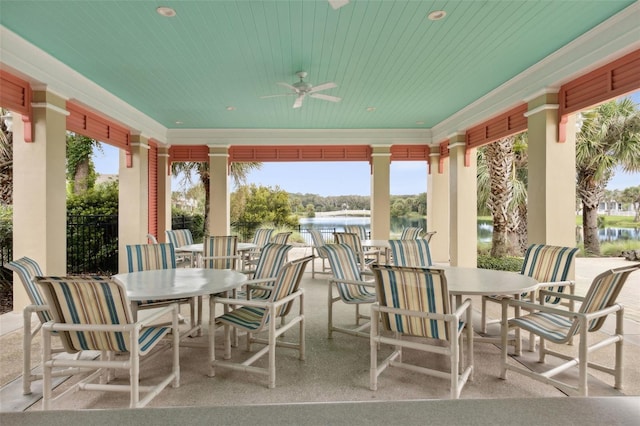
402	302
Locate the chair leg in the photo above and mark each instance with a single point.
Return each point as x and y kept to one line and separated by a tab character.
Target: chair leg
330	313
46	370
272	351
26	352
619	349
373	365
483	318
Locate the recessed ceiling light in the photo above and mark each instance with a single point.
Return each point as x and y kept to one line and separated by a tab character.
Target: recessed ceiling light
231	108
166	11
371	109
179	122
437	15
420	122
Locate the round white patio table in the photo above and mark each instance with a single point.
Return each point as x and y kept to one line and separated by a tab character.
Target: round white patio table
180	283
197	249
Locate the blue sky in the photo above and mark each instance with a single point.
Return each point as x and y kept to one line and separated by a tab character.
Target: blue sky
340	178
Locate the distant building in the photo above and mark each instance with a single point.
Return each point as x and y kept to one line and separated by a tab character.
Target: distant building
106	178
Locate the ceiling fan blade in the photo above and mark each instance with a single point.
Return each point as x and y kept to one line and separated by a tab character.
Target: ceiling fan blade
337	4
287	85
326	97
298	102
323	86
275	96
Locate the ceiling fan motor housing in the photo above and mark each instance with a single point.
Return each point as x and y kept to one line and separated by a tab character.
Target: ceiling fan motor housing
302	86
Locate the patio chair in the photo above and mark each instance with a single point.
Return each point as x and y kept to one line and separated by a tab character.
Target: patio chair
261	237
559	325
410	233
415	303
271	259
220	252
351	286
93	314
28	269
318	243
256	316
428	235
281	237
180	238
360	230
354	241
413	252
149	257
152	239
550	266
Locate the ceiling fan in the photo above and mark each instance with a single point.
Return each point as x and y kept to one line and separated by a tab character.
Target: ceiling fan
337	4
301	89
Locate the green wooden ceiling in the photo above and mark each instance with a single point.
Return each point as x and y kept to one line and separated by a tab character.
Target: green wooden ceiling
207	67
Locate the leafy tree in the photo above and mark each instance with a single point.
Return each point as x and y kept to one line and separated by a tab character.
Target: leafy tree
632	196
609	137
260	204
81	171
239	172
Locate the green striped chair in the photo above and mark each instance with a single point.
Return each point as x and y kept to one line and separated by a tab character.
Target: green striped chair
354	241
179	238
558	326
351	287
551	266
271	259
150	257
255	316
261	237
360	230
93	314
414	305
220	252
318	242
412	252
410	233
28	269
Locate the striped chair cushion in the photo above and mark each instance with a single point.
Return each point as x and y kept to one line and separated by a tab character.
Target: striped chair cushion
410	233
148	257
27	269
354	241
359	230
225	248
179	237
345	267
262	236
410	252
271	259
413	289
602	293
549	264
95	301
554	328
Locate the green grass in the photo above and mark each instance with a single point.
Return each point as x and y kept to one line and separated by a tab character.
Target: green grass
613	221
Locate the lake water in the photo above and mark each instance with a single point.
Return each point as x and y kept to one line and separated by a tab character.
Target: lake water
485	228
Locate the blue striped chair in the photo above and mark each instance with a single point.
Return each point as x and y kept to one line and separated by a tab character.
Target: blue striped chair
180	238
410	233
93	314
410	252
354	241
220	252
28	269
271	259
255	316
149	257
558	326
261	237
414	305
352	288
551	267
318	242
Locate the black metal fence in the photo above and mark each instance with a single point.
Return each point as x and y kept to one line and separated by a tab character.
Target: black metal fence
92	244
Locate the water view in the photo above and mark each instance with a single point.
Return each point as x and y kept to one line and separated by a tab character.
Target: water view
485	228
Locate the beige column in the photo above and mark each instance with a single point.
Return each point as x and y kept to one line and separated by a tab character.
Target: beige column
463	233
164	193
219	200
39	190
551	176
380	188
438	207
133	195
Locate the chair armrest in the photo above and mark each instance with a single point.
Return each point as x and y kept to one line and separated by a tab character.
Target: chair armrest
466	305
567	283
259	281
543	293
354	282
36	308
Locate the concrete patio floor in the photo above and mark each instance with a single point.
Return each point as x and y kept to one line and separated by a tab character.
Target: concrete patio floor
335	370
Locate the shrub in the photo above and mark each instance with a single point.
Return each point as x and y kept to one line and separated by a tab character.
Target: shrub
500	263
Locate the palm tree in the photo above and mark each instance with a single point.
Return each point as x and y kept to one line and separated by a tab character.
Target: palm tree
502	189
609	137
239	172
80	167
6	163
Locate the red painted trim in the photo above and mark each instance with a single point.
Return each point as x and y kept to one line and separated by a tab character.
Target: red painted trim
506	124
95	126
153	189
299	153
610	81
444	153
16	95
410	153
